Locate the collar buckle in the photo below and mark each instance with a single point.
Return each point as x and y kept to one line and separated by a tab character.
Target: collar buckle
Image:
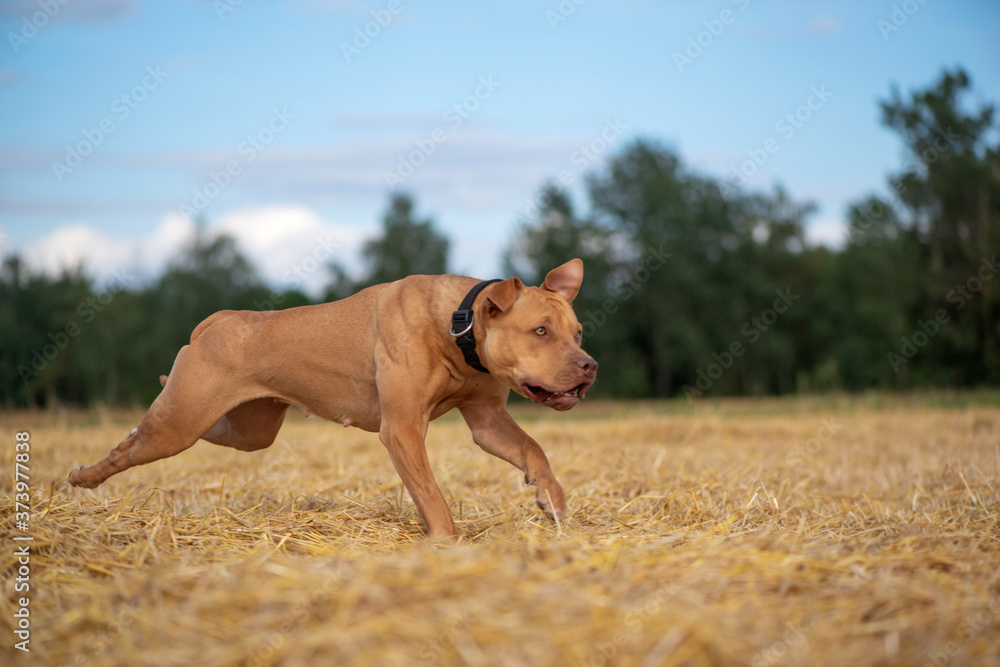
461	318
461	326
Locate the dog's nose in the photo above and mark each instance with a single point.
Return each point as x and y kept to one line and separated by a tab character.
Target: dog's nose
587	365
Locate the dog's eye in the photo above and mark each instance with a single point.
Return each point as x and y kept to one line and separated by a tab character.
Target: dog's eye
579	337
540	331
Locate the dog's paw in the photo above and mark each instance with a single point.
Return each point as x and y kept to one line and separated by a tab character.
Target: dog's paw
78	477
551	500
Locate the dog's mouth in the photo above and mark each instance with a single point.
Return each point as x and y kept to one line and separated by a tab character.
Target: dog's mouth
560	400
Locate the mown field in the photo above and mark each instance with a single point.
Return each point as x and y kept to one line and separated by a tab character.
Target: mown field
836	531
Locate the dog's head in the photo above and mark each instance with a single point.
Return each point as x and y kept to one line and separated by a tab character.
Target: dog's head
532	338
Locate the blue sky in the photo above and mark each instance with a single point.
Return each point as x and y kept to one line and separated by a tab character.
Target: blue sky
496	97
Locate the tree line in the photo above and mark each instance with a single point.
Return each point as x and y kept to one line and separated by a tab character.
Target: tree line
694	286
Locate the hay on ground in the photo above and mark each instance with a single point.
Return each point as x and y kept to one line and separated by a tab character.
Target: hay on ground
803	532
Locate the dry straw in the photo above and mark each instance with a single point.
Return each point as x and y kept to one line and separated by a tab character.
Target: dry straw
804	532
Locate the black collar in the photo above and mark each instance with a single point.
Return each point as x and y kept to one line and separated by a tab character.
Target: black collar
461	326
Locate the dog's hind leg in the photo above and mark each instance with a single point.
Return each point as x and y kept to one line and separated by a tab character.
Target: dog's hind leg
249	426
191	402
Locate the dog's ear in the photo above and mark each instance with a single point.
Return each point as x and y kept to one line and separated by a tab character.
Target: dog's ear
565	280
502	295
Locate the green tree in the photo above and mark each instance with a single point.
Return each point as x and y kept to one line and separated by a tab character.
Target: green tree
407	246
557	235
865	298
729	254
946	205
675	268
41	335
341	284
679	269
210	274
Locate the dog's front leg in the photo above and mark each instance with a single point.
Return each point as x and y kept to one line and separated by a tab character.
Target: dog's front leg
496	432
404	438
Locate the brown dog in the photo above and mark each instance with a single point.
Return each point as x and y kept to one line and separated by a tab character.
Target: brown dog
384	360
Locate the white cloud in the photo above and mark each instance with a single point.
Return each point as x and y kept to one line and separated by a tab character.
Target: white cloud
829	232
101	254
75	245
289	245
480	176
166	241
472	172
